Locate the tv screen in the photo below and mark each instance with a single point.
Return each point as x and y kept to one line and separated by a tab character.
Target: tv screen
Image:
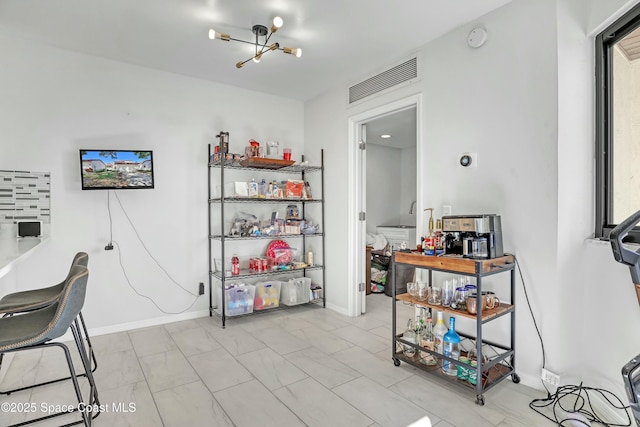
116	169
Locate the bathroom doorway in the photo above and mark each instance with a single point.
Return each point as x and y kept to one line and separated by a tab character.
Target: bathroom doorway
364	128
391	191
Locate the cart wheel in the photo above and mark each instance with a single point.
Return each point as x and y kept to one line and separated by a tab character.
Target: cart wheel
515	378
396	361
480	400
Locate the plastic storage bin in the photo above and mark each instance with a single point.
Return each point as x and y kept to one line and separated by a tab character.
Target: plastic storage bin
238	299
267	295
296	291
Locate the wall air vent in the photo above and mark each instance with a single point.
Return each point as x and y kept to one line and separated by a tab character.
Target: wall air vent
399	74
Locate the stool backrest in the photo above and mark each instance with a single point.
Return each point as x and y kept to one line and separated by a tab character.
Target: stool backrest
81	258
69	304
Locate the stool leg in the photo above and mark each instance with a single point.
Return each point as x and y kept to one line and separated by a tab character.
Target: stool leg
86	334
76	385
93	393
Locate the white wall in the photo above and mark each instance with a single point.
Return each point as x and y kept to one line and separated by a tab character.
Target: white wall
55	102
384	177
523	102
408	186
391	186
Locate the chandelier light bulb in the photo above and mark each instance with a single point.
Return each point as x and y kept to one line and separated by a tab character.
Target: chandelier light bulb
213	34
277	23
293	51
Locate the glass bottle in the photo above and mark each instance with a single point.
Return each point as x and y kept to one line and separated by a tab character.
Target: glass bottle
438	332
451	346
427	340
409	336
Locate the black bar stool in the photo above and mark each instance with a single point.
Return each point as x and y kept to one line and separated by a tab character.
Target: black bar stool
26	301
37	329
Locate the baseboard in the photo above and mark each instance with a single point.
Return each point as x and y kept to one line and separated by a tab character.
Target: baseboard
121	327
147	323
607	413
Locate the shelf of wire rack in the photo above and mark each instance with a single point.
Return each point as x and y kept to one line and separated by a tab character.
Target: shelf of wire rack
218	202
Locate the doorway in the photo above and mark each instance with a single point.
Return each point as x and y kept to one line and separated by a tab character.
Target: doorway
367	215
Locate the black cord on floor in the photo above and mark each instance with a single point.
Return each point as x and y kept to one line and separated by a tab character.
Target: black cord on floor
571	406
571	401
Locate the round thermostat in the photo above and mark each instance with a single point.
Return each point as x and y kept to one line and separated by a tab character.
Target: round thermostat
477	37
465	160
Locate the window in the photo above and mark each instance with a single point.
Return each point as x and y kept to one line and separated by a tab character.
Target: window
618	124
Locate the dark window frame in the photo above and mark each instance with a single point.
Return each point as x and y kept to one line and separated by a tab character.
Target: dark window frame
604	44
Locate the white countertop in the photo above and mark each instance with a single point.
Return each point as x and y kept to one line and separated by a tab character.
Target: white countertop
14	250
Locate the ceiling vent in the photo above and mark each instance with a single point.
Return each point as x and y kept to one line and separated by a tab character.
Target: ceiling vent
394	76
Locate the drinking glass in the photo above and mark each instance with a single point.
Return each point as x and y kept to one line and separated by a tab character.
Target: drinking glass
448	289
412	288
435	295
423	291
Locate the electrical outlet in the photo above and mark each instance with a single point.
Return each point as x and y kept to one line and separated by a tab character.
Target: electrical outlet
550	378
201	288
446	210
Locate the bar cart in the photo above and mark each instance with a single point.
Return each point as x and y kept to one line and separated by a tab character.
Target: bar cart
495	361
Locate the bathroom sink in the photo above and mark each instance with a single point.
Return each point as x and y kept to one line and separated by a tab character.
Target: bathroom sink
398	226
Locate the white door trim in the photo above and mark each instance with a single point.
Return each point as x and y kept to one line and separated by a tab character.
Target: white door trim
356	242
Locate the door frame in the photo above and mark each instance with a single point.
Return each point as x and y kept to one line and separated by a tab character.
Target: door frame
357	238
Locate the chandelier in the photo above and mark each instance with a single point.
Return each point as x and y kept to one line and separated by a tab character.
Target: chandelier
261	43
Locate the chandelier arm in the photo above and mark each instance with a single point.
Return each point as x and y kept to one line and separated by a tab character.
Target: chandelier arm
241	63
243	41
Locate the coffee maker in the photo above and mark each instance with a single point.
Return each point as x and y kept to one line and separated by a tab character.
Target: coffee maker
473	236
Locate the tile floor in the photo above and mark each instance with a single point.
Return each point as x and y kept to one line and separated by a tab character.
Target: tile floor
303	366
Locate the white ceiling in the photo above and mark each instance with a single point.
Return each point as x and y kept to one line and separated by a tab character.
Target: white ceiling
401	125
343	41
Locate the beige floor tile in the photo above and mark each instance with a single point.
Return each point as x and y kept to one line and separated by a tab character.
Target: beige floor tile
111	343
251	404
317	406
22	370
129	406
167	370
152	341
195	341
380	404
322	367
373	367
118	369
281	341
182	326
362	338
190	405
322	340
219	370
237	341
271	369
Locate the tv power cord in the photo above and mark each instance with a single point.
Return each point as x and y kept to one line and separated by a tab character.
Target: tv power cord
110	246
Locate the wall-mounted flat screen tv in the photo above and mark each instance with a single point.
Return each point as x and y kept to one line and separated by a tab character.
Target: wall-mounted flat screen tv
116	169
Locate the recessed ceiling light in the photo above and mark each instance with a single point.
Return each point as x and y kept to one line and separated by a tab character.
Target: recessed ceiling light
385	136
